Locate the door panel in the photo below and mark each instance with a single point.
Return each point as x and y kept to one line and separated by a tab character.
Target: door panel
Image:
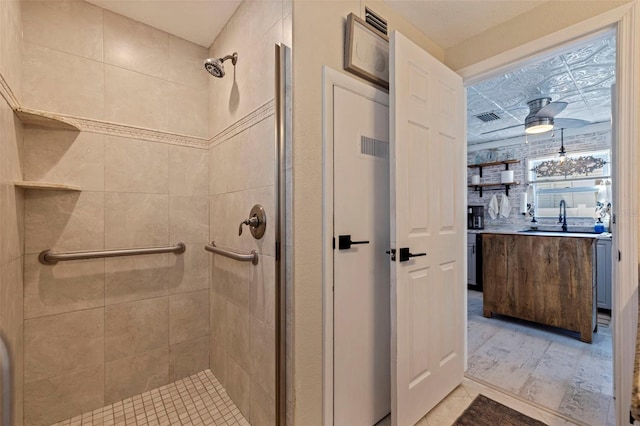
427	137
361	273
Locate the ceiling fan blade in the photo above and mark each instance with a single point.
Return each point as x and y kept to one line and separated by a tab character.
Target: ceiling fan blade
569	123
551	110
499	130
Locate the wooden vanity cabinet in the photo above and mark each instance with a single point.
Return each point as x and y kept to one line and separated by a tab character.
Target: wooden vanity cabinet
546	279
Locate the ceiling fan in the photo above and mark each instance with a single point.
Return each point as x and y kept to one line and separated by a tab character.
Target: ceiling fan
541	117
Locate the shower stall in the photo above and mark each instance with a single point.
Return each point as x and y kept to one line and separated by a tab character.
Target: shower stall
143	219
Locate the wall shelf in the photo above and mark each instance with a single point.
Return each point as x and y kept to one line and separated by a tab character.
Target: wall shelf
46	120
46	185
493	186
493	163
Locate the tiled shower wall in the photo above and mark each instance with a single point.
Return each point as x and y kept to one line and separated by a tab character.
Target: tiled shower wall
537	147
11	199
242	174
102	330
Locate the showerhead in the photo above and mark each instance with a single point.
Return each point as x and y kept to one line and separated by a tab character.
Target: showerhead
215	67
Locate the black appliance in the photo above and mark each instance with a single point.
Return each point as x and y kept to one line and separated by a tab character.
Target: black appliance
475	217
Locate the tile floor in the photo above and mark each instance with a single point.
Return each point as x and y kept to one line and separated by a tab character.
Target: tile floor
445	413
544	365
195	400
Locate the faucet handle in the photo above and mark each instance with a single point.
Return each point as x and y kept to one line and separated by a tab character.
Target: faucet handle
257	222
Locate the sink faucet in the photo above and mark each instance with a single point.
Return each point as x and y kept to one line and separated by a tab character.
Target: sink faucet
562	218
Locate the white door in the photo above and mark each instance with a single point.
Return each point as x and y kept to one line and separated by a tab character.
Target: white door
427	216
361	270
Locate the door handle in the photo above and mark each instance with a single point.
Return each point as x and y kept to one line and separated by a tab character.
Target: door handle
345	243
405	255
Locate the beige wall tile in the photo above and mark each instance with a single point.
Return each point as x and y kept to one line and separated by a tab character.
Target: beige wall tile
238	387
64	343
190	270
135	46
189	219
65	287
11	221
64	157
188	357
188	171
188	316
287	28
63	221
218	361
11	144
133	165
188	110
259	154
263	355
231	279
219	318
59	82
136	220
238	336
232	154
58	24
185	64
262	89
10	57
135	99
139	373
137	277
11	327
136	327
57	398
263	15
263	290
263	406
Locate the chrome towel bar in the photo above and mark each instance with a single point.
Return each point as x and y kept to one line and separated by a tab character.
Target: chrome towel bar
49	257
253	257
5	386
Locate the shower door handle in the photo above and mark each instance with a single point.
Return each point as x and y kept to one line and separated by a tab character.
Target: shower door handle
345	243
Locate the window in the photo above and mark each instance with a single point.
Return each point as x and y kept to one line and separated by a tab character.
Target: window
582	179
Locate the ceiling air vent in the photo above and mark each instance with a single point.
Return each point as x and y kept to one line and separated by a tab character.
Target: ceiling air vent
375	20
488	116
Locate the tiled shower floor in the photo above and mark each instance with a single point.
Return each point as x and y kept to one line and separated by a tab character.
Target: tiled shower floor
195	400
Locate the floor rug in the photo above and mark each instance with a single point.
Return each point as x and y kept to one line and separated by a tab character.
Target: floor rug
485	411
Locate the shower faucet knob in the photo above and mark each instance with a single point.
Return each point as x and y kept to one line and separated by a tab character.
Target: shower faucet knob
257	222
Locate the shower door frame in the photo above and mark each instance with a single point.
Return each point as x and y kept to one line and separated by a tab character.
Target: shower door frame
283	234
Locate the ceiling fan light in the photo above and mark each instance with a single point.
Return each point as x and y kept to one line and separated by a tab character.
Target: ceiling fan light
534	125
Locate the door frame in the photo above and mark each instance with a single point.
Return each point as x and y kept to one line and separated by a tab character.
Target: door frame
625	20
330	79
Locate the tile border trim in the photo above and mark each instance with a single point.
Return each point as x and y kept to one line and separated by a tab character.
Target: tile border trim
7	94
90	125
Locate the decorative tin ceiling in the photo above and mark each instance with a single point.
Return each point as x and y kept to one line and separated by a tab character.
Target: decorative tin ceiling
581	76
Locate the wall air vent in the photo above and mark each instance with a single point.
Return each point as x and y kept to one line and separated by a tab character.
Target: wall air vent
374	147
375	20
488	116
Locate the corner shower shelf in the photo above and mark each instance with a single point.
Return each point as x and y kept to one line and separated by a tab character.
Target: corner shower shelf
46	185
44	119
498	185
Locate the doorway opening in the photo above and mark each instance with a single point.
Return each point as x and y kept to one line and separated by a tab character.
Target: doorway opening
569	88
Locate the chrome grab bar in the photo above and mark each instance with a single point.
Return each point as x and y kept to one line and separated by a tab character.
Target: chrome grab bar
5	386
49	257
253	257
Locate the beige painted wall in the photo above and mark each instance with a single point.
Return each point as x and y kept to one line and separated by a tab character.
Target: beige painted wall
318	28
318	36
538	22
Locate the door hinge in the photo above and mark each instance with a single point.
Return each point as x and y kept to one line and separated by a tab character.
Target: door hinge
392	252
619	256
334	243
613	218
